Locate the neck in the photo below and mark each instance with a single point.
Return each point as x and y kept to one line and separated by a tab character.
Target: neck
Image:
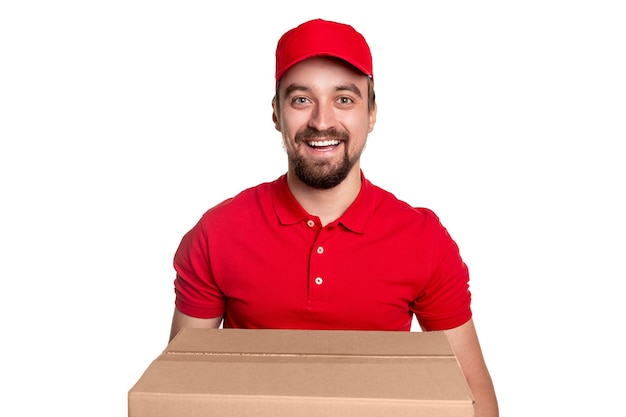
329	204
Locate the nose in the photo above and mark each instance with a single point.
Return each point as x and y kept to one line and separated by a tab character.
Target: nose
323	116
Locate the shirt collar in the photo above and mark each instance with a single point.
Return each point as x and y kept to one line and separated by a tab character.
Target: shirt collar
287	208
355	219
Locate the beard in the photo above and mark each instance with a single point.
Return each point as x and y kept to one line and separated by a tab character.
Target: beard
322	175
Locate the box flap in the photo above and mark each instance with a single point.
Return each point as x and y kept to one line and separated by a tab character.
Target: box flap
310	342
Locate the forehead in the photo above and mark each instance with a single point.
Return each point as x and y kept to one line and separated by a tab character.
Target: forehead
322	73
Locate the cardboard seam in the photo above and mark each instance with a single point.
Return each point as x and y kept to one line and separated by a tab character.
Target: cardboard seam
306	355
256	397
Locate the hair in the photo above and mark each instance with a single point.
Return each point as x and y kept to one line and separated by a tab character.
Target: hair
371	96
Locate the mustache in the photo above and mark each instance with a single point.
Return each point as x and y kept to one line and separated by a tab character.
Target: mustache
311	133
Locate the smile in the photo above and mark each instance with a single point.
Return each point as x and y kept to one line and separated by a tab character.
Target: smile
323	143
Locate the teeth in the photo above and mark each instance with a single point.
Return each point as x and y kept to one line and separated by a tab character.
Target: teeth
319	143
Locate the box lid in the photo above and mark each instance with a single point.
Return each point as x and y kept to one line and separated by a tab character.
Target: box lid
290	372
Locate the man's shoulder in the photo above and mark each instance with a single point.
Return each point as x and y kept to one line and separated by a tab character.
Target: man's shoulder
246	199
388	201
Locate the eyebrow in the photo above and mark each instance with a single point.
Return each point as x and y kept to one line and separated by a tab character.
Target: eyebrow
342	87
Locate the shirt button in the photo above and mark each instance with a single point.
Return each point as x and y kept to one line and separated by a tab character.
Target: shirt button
319	281
320	250
310	223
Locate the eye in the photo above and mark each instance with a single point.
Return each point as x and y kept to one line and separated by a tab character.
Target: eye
299	100
345	100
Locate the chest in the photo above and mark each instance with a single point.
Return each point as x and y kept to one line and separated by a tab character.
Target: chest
326	275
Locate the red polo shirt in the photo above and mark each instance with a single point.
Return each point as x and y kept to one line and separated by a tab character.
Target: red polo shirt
261	261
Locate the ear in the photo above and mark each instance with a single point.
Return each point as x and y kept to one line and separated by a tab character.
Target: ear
372	119
275	118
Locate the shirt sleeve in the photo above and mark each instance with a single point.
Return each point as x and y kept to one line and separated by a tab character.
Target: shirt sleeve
197	293
445	302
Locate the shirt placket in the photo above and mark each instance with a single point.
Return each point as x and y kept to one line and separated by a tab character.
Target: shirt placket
318	271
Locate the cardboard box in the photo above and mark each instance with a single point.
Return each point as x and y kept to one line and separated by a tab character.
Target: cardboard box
280	373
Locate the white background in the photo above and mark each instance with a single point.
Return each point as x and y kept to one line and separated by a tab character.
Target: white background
121	122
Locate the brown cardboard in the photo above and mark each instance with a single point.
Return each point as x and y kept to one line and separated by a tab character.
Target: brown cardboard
293	373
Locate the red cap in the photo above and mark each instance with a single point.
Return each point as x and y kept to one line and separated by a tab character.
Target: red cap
323	38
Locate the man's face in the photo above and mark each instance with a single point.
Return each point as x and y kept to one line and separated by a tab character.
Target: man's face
324	120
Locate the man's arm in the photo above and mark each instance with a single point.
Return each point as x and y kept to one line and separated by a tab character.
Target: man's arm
465	344
181	320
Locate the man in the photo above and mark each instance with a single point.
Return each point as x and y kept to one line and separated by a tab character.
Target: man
322	247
